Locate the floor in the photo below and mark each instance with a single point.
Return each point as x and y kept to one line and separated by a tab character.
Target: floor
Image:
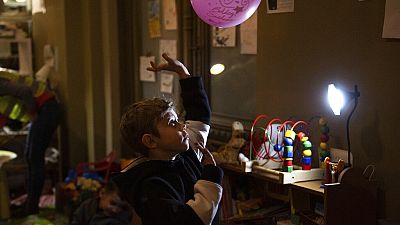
45	217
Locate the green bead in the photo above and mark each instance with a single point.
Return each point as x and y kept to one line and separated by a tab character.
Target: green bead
307	144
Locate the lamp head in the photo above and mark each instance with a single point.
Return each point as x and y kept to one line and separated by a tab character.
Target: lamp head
335	99
338	98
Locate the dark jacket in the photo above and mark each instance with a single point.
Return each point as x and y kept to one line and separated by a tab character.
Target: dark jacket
89	213
180	191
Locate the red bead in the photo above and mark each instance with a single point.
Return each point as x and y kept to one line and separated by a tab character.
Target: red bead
288	162
301	135
306	167
324	137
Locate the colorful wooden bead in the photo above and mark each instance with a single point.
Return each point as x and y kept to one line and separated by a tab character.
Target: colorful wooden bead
300	135
304	139
322	121
287	141
323	145
306	167
289	148
324	137
287	169
307	152
290	134
323	153
288	154
306	160
324	129
278	147
307	144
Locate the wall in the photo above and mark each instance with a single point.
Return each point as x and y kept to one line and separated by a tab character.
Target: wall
84	34
300	53
150	46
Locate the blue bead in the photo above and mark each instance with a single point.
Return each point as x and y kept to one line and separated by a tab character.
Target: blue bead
306	160
287	154
278	147
287	141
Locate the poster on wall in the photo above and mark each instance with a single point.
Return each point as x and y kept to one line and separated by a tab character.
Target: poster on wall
154	23
169	47
167	83
280	6
169	12
145	75
248	35
391	25
224	37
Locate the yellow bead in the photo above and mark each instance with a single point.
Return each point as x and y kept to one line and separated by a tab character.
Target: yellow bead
290	134
323	121
304	139
323	145
307	152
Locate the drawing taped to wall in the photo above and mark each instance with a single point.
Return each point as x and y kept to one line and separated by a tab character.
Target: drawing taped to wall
224	37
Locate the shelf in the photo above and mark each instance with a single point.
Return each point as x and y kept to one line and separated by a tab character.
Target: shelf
277	176
310	186
24	53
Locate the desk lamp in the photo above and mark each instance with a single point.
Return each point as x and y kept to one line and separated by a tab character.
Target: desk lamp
337	99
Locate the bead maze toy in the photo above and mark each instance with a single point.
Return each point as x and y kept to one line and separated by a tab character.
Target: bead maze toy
280	142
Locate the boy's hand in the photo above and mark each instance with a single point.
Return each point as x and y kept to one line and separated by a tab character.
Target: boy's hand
172	65
207	156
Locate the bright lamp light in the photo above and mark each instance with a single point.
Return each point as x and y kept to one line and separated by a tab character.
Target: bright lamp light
335	98
217	69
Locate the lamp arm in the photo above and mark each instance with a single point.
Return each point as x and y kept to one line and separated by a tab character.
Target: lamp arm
355	94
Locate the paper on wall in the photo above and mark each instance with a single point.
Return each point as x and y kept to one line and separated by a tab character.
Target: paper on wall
169	11
248	35
391	26
224	37
167	82
146	75
154	18
169	47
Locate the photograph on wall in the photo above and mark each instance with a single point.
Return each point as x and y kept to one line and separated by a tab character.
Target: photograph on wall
167	83
280	6
154	18
145	75
169	47
248	35
169	12
391	25
224	37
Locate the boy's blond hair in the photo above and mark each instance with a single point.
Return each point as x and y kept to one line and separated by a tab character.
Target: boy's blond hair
142	118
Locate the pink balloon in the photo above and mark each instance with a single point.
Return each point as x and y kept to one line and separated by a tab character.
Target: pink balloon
224	13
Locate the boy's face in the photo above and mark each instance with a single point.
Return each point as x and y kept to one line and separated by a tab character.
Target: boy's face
172	134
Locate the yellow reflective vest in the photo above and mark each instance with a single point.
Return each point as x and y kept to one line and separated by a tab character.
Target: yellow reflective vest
13	108
38	87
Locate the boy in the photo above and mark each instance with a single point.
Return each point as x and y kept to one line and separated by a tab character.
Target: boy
176	181
106	209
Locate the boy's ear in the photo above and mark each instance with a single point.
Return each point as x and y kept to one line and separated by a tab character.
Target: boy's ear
148	141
